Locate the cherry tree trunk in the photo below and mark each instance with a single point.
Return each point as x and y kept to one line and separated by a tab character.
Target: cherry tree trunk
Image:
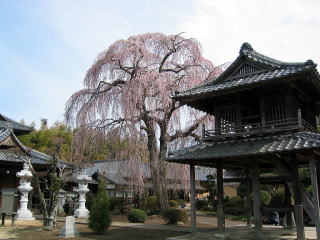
158	172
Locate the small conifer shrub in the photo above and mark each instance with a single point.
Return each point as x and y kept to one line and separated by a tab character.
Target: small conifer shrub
99	216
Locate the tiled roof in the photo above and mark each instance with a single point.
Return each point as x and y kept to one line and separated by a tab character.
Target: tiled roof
17	127
118	171
269	69
248	147
6	130
239	82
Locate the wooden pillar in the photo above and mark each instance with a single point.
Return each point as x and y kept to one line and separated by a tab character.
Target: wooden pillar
315	193
287	200
256	198
298	207
248	202
193	199
221	222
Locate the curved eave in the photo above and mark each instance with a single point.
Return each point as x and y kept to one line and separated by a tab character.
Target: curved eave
188	99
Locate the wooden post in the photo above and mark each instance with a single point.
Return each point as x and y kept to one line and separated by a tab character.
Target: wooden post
287	200
298	207
256	198
221	222
193	199
299	118
248	202
315	193
203	132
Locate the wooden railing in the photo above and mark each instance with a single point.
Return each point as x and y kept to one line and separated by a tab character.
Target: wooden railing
257	128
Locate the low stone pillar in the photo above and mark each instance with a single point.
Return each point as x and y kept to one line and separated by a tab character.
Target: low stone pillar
69	230
82	179
25	176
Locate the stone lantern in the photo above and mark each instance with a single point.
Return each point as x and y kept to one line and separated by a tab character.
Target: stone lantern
82	179
61	196
25	176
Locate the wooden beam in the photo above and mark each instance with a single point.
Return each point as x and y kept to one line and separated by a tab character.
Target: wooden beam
221	221
193	200
287	200
298	207
248	202
272	179
315	192
256	198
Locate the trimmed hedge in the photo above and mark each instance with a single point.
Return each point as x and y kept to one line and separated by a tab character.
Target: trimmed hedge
115	203
278	198
174	203
201	204
173	216
137	216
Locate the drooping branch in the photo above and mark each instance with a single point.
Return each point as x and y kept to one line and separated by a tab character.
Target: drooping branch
188	132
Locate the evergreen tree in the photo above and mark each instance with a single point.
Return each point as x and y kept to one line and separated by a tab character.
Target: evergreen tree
99	217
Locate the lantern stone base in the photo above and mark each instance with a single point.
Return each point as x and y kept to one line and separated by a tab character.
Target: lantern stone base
25	215
81	213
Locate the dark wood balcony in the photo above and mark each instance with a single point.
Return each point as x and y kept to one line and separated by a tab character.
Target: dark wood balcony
247	130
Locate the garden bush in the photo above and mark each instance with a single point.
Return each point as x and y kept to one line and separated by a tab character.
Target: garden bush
277	199
201	204
137	216
174	203
234	202
152	205
265	197
99	216
89	200
309	190
173	215
115	203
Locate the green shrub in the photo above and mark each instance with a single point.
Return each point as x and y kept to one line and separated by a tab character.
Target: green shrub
237	204
173	215
99	216
265	197
115	203
278	198
89	200
174	203
234	202
201	204
309	190
152	205
137	216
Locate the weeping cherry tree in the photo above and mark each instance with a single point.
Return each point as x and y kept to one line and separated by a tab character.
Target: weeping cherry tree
129	87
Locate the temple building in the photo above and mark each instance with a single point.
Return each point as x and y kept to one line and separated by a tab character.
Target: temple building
265	113
13	153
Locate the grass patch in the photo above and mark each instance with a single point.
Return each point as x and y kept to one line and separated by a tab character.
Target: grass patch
228	216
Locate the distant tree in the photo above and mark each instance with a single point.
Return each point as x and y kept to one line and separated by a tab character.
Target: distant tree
22	121
44	124
45	140
129	87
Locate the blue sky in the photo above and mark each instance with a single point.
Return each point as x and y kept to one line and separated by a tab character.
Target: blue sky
47	46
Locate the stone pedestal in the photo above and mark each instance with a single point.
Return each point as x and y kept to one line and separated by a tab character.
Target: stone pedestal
82	179
25	176
61	201
69	230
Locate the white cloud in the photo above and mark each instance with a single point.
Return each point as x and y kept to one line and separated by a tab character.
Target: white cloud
287	30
